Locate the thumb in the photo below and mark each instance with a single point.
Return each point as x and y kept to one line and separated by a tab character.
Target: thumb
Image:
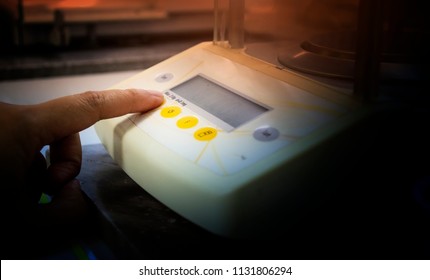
68	208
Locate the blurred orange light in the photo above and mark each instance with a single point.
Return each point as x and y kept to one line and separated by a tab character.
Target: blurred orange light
76	3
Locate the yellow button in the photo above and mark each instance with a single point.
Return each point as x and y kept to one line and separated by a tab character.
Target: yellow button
205	134
187	122
170	112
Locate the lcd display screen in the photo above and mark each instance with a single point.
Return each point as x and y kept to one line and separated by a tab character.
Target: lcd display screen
224	104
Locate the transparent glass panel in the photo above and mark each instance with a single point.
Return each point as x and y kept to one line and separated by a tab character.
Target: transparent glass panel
319	38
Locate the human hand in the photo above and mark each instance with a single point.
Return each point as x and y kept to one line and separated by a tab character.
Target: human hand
26	129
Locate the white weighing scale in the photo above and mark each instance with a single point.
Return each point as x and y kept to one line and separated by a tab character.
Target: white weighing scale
220	151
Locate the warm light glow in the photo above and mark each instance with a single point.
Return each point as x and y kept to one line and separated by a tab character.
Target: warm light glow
76	3
300	54
65	4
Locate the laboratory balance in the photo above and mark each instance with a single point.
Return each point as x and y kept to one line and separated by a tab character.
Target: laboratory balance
231	146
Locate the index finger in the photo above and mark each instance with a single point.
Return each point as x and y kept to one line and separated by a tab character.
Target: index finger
60	117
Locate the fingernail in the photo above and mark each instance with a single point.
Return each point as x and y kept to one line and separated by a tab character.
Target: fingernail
155	93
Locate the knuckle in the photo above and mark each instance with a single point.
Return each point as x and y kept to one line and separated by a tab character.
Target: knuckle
94	99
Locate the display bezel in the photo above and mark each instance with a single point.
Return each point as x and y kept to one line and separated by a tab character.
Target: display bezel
224	106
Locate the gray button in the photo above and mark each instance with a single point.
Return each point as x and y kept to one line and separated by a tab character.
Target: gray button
266	133
164	77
